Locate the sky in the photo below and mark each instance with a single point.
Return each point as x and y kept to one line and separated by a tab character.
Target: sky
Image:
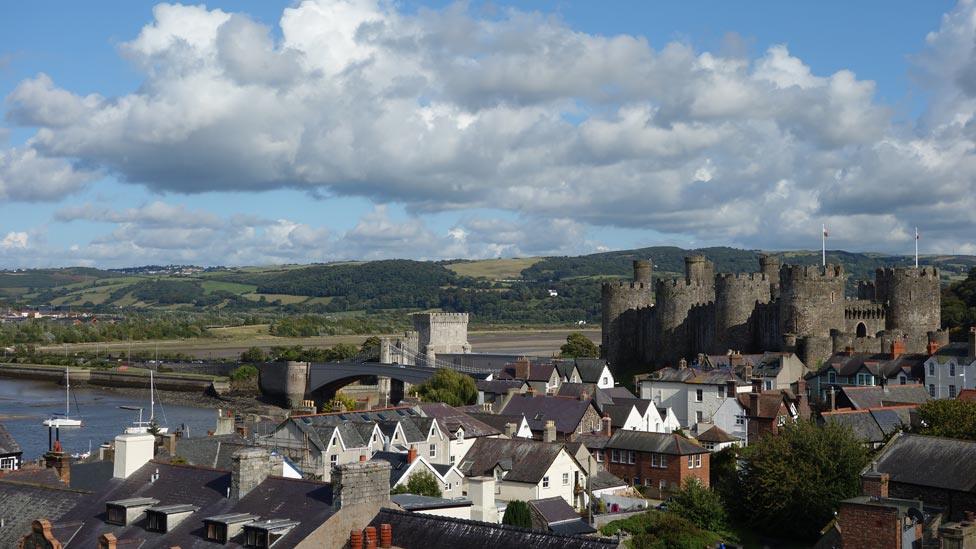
263	132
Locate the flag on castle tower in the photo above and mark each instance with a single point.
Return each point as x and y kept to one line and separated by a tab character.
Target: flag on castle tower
916	233
825	232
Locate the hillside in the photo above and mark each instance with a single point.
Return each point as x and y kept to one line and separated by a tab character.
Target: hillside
497	291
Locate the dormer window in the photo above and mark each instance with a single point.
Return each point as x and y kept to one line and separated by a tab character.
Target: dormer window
165	517
267	533
125	511
222	528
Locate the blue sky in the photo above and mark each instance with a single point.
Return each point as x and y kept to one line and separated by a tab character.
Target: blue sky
379	130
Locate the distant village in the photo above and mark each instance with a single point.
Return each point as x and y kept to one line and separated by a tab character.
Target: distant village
700	387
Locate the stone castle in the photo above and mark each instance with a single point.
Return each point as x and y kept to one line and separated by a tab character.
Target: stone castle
798	308
432	334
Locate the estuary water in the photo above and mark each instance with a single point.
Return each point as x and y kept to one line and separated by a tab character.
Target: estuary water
24	404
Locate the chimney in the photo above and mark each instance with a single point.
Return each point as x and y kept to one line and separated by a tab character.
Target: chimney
530	391
732	389
412	454
131	453
832	399
225	423
60	462
169	442
356	539
550	433
386	535
249	468
747	372
606	424
523	367
754	404
510	430
682	364
801	391
932	348
106	541
584	396
757	384
370	537
481	492
897	348
357	483
874	484
735	359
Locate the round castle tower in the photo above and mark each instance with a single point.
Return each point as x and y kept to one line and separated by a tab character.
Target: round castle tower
769	266
811	300
736	296
620	335
913	298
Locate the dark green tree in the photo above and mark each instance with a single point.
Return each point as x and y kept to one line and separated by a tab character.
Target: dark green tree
243	372
700	505
579	346
420	484
371	348
450	387
791	483
517	514
254	355
950	418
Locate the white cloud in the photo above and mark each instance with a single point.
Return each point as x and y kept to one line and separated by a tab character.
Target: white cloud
444	110
14	240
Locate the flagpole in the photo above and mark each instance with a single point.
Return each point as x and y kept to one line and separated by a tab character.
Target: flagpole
823	245
916	247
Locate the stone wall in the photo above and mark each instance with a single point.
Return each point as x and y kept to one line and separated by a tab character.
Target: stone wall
621	304
913	297
366	482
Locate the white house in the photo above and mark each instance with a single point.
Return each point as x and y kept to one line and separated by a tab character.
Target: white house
694	395
318	443
403	466
951	369
462	428
527	469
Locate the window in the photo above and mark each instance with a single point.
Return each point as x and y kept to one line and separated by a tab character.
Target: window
901	380
769	384
721	391
599	456
647	482
115	515
932	390
453	458
952	369
334	460
8	463
630	457
740	419
709	446
931	369
433	450
545	482
780	420
698	395
699	416
565	479
831	377
614	456
952	391
865	379
698	461
691	462
604	381
664	461
637	481
156	522
217	532
654	462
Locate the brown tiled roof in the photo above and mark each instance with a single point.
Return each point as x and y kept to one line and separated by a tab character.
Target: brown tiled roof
717	435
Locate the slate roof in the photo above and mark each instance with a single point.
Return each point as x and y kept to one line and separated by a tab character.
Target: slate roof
716	435
560	517
862	423
91	476
958	351
617	393
879	364
590	369
212	451
37	476
398	464
355	432
935	462
641	404
413	502
658	443
599	397
593	441
565	367
308	502
497	421
719	376
525	460
618	413
7	443
22	503
498	386
451	418
602	480
877	396
419	531
566	412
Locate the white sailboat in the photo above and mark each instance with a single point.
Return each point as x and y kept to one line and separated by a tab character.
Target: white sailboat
140	426
57	420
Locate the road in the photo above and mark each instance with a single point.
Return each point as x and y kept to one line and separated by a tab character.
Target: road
537	342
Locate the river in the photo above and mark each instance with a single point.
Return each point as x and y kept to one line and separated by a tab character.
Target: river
24	404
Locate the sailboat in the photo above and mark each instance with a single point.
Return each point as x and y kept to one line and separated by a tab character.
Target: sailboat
57	420
140	426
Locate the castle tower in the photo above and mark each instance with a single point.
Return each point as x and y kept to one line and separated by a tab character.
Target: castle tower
440	333
811	300
736	297
769	266
913	298
622	335
699	270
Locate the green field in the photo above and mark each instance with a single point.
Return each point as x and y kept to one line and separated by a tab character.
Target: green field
210	286
494	269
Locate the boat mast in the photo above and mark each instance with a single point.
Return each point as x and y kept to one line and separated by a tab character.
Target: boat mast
67	392
152	400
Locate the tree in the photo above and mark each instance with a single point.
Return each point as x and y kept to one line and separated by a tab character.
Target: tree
700	505
254	354
657	530
950	418
420	484
517	514
243	372
791	483
579	346
341	401
371	348
450	387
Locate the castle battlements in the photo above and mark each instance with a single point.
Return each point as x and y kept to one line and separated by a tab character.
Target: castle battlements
622	284
742	277
811	272
907	272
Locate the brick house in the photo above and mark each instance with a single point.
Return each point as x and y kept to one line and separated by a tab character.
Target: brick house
659	462
768	411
